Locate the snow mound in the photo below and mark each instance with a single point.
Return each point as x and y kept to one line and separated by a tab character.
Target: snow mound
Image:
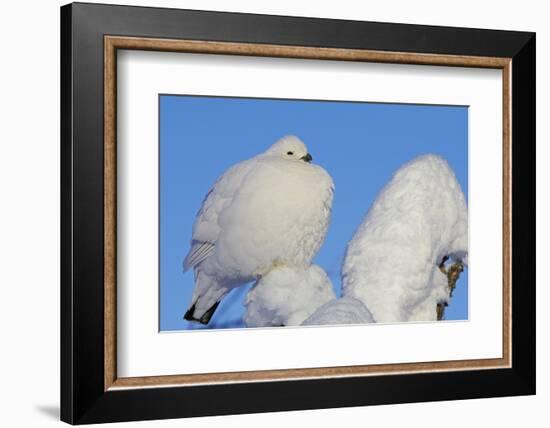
287	296
391	264
346	310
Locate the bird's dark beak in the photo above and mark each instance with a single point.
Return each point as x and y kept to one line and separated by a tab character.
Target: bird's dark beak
307	158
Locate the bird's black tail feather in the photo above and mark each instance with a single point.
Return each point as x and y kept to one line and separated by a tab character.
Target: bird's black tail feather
205	318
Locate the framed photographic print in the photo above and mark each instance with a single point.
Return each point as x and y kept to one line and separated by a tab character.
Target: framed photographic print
274	213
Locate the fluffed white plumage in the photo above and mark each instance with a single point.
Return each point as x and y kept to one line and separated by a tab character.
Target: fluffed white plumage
287	296
346	310
270	210
391	264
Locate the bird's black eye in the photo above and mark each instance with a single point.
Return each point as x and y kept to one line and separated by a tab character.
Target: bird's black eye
290	153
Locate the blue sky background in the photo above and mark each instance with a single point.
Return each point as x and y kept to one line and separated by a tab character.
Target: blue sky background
359	144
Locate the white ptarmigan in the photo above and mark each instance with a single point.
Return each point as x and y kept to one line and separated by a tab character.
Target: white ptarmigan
267	211
419	219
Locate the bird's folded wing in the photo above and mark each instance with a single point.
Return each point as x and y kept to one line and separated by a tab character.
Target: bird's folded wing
220	196
198	252
207	227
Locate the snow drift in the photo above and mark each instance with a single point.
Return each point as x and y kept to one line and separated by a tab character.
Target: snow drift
346	310
287	296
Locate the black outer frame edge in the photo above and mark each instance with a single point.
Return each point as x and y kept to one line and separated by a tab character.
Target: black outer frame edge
66	306
169	403
524	213
82	397
300	31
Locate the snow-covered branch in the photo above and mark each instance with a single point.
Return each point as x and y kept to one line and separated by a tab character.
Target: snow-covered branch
346	310
392	262
287	296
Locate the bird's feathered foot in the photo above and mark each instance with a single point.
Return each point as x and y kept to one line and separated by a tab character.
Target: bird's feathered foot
205	318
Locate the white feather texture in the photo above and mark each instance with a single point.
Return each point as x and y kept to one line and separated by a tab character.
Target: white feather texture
271	210
346	310
391	264
287	296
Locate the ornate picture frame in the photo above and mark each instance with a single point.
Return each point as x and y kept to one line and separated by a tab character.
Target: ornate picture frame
92	391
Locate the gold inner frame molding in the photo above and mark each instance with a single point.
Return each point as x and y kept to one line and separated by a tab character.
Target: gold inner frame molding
113	43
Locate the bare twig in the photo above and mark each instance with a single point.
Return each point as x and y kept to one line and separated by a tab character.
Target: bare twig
453	274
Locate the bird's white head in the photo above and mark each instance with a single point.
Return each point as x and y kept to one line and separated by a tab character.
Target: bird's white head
291	148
